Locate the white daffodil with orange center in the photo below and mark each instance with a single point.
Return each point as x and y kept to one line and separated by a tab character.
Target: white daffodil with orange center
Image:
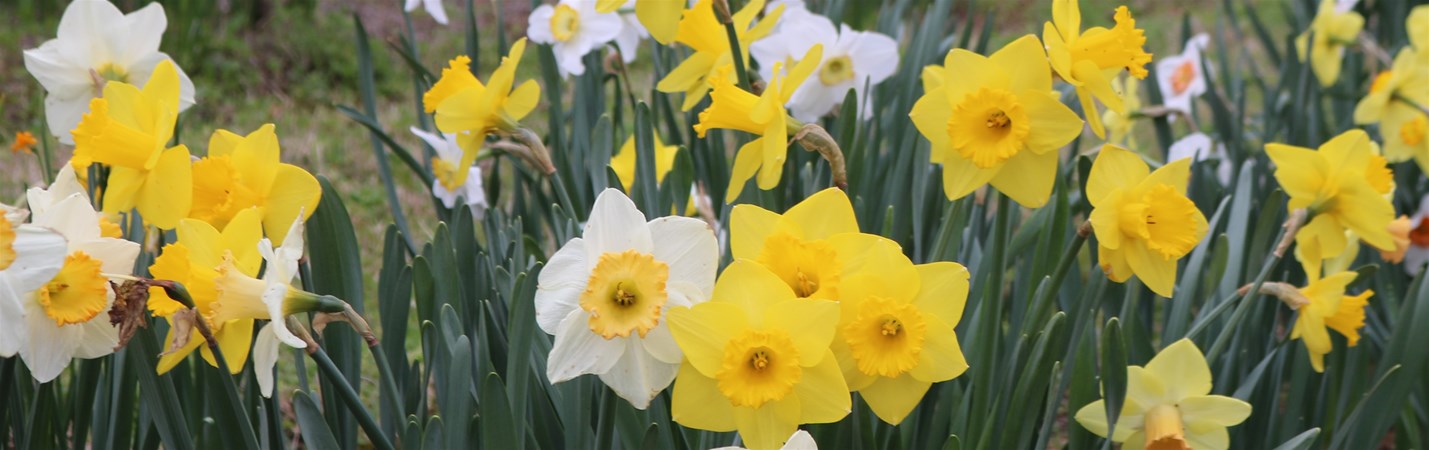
1168	405
757	359
194	261
1334	29
1181	77
895	336
812	246
1089	59
30	256
572	28
851	60
1199	148
95	44
605	296
996	120
1143	221
65	317
129	130
242	172
452	181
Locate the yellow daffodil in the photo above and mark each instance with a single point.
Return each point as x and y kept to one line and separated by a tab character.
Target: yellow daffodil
660	17
1334	29
1089	60
997	120
1322	306
1121	125
1143	221
194	261
1168	407
757	359
129	129
469	109
736	109
895	336
811	247
1343	186
30	256
1396	96
623	163
242	172
702	31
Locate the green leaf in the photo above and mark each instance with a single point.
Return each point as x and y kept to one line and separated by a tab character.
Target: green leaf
1113	373
316	434
456	401
1303	441
497	425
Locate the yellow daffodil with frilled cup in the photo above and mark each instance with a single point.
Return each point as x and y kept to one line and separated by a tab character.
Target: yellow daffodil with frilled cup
1089	60
757	359
194	261
605	296
703	32
1343	186
1321	306
66	316
242	172
30	256
997	120
1168	405
764	115
1143	221
466	107
895	336
1334	28
811	246
129	130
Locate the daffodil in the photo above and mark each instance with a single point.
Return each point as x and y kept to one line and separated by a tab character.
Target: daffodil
96	44
800	440
1397	95
1416	254
736	109
194	261
1335	27
446	167
66	316
1343	186
1089	60
433	7
242	172
469	109
1199	147
705	34
573	28
241	297
660	17
1181	77
23	142
997	120
811	246
632	32
30	256
606	295
1143	221
1167	405
1121	126
129	130
895	336
623	163
1323	306
851	60
757	359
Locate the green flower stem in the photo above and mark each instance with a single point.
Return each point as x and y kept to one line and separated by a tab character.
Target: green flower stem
348	395
230	390
1286	236
1043	300
722	12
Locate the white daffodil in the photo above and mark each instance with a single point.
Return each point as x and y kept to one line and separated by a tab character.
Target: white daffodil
631	32
272	298
65	185
67	317
30	256
97	43
433	7
1181	77
604	296
447	166
851	60
801	440
1417	255
573	28
1200	147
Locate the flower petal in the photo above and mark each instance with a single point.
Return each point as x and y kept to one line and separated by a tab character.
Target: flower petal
893	398
810	323
823	395
703	330
1114	168
767	426
637	376
578	351
1027	178
265	357
942	358
1155	271
688	246
1215	410
1182	369
615	225
749	226
697	403
560	284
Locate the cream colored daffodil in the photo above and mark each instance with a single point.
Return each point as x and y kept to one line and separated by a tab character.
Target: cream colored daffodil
1168	405
605	296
